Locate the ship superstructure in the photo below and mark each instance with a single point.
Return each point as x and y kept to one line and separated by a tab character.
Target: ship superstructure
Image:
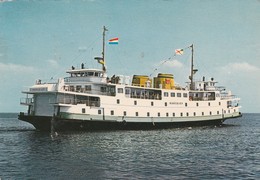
88	99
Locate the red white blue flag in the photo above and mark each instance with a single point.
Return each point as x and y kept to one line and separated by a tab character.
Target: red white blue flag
179	51
113	41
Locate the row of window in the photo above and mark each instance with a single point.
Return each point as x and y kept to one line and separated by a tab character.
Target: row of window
159	114
173	94
165	104
78	88
149	94
86	74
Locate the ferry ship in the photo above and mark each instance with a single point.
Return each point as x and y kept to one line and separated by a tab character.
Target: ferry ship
88	99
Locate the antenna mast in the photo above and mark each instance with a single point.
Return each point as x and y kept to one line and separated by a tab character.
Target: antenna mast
103	51
192	71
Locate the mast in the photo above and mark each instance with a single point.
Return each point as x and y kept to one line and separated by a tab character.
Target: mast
192	71
103	50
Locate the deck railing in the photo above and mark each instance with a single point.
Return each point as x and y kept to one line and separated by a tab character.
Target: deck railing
26	101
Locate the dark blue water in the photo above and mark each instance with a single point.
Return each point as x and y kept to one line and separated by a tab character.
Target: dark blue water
228	152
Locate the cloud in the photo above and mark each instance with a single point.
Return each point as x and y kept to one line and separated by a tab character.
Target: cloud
2	1
53	63
240	67
82	49
172	64
17	68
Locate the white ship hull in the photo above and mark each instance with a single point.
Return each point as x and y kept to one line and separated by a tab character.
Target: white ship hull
70	110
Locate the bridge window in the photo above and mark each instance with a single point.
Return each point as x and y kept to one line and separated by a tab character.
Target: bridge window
178	94
96	74
90	73
172	94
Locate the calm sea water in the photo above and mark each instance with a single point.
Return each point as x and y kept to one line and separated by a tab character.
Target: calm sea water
228	152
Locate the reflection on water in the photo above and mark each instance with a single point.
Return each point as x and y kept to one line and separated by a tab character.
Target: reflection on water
230	151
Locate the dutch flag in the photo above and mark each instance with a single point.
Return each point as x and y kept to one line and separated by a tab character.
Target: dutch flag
113	41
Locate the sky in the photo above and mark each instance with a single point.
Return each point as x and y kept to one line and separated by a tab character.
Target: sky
43	39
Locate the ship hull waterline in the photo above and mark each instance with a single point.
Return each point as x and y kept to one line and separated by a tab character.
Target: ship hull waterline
45	123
